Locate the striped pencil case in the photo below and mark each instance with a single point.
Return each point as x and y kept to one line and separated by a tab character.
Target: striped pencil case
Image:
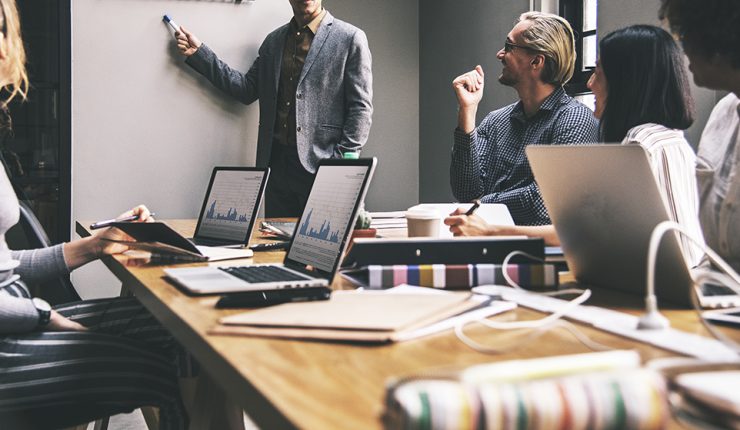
454	276
623	399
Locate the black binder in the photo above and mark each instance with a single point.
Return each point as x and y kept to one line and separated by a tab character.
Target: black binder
460	250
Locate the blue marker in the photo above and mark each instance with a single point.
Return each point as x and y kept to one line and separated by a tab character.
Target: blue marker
166	18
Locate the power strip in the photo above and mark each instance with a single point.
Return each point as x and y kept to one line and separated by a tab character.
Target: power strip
621	324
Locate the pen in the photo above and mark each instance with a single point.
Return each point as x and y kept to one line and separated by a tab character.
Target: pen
476	205
106	223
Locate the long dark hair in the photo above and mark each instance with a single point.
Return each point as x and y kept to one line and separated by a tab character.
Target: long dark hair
647	81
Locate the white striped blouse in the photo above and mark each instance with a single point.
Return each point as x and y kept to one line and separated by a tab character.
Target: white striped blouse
673	162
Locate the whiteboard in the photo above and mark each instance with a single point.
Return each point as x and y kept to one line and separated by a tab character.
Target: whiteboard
147	128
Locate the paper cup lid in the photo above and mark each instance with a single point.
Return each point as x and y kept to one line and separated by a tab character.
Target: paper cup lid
422	214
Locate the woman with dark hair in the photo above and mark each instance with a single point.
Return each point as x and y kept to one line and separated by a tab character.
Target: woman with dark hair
643	66
642	97
710	33
651	105
76	362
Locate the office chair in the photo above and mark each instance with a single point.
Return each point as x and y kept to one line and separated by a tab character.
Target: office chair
30	234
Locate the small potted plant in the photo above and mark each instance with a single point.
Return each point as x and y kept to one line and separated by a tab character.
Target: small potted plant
362	225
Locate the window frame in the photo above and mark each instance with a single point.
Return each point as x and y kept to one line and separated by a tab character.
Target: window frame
572	10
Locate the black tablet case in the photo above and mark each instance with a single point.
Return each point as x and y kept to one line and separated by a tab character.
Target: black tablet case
156	232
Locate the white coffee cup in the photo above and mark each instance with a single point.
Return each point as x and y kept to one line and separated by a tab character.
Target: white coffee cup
423	222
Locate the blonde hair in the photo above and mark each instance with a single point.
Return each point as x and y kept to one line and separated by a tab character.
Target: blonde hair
552	36
16	82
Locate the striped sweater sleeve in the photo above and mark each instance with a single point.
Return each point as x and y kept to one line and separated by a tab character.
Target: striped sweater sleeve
17	314
40	264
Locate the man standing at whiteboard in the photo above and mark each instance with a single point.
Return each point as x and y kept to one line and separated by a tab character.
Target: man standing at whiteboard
313	79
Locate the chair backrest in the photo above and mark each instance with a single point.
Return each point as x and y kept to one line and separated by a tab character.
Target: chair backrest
30	234
35	233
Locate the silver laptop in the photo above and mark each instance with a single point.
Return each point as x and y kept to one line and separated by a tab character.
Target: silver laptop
316	247
604	202
230	206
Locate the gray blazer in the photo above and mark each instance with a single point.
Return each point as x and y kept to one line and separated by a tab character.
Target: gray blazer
334	96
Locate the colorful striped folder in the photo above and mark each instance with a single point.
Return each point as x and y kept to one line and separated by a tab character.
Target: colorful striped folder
454	276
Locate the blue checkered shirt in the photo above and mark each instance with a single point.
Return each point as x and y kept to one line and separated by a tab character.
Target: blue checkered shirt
490	162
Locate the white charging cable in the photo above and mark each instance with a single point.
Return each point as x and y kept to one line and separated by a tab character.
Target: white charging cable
513	284
729	278
534	334
540	326
652	319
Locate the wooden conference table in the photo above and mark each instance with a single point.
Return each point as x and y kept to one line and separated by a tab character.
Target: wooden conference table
321	385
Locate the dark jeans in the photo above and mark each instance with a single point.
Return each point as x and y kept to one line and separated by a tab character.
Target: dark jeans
289	184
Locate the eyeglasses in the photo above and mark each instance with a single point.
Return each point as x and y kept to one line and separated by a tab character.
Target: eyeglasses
508	47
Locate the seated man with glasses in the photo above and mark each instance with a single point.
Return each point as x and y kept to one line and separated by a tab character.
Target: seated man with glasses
488	161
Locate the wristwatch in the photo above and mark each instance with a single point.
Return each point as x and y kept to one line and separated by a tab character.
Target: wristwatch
44	310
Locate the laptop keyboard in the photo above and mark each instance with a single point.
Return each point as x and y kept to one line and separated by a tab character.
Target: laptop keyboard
259	274
716	290
209	242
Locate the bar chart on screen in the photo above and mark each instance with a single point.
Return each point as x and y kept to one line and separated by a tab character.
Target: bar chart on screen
230	203
326	219
325	232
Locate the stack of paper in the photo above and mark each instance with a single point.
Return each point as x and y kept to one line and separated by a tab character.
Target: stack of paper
386	220
496	214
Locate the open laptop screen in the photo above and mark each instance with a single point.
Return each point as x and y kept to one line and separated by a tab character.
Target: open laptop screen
322	231
231	203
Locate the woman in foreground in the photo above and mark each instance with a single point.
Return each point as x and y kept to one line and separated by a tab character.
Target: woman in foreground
80	361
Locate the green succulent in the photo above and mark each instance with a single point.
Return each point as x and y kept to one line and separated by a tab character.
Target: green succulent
363	219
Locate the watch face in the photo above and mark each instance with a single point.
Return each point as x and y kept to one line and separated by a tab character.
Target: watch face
41	304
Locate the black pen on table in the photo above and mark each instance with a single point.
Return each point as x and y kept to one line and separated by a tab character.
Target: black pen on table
476	205
106	223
